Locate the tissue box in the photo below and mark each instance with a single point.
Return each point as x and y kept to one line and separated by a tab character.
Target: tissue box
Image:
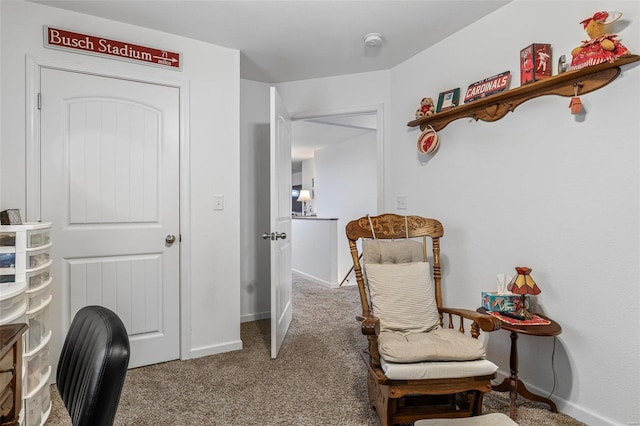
505	302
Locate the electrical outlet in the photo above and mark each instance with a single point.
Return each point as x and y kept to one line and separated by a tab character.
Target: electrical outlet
401	202
218	202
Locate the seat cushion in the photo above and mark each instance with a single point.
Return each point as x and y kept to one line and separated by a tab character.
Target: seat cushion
403	296
441	344
437	369
493	419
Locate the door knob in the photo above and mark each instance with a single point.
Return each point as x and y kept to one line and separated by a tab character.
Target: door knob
170	239
274	236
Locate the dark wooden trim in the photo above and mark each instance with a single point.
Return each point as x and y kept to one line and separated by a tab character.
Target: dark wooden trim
493	108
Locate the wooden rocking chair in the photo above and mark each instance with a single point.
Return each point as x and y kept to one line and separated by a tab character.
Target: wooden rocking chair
408	381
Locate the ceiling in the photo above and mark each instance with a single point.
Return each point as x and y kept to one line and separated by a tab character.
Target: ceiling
296	40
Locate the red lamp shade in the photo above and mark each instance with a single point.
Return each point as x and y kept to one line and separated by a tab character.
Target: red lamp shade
523	283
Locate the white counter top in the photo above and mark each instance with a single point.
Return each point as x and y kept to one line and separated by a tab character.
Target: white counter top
314	217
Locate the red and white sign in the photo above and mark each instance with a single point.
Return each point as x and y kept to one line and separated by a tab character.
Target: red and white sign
56	38
488	86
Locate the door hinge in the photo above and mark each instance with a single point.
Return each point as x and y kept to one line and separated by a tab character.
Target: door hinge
39	100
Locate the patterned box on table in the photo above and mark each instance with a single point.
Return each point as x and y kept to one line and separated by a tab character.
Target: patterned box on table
503	302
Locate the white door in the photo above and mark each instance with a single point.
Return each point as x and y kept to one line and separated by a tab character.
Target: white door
280	222
110	186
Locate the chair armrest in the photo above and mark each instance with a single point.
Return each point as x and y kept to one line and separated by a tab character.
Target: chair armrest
370	325
484	321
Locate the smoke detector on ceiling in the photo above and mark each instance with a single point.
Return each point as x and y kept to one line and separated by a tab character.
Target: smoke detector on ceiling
373	39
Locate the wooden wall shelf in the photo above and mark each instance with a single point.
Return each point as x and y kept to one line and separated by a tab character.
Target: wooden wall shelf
494	107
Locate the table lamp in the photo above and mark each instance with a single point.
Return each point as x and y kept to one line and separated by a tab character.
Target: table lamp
304	196
523	284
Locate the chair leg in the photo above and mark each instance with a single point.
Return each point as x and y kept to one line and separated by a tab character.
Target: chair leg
477	406
371	389
380	401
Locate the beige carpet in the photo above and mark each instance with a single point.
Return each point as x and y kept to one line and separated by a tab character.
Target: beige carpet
317	379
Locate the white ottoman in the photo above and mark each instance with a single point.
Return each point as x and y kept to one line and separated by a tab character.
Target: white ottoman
493	419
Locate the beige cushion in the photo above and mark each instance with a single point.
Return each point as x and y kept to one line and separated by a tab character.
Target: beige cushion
395	251
493	419
437	369
403	296
442	344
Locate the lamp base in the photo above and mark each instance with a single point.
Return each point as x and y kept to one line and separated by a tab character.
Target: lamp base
522	313
519	315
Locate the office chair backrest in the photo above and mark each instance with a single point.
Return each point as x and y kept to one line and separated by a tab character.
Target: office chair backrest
93	365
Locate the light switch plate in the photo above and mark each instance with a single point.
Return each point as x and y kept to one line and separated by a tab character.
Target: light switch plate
218	202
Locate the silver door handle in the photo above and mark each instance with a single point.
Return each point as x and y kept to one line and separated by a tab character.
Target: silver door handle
274	236
170	239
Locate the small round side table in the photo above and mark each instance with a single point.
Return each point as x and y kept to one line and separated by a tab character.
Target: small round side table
513	384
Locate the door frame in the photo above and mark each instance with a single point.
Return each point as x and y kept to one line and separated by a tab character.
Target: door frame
377	109
32	164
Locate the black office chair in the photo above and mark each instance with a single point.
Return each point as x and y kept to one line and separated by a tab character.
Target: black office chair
93	366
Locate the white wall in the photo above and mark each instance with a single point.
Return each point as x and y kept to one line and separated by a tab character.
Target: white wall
539	188
308	175
335	93
314	252
213	138
254	204
346	187
296	178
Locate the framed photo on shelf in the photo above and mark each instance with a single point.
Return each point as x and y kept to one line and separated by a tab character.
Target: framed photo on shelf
10	217
448	99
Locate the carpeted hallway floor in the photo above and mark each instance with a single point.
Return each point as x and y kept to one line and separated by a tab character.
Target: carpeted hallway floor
317	379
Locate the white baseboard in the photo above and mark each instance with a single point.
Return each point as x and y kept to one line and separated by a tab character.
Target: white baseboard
316	279
216	349
255	317
566	407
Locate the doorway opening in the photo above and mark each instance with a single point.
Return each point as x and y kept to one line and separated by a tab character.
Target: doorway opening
337	156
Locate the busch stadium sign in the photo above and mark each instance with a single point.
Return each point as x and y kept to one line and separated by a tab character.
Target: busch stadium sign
488	86
56	38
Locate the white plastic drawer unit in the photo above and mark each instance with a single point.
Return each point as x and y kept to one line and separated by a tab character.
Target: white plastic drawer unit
39	277
38	322
38	257
38	296
37	369
8	278
12	300
16	318
38	404
10	306
7	260
25	297
7	239
38	237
